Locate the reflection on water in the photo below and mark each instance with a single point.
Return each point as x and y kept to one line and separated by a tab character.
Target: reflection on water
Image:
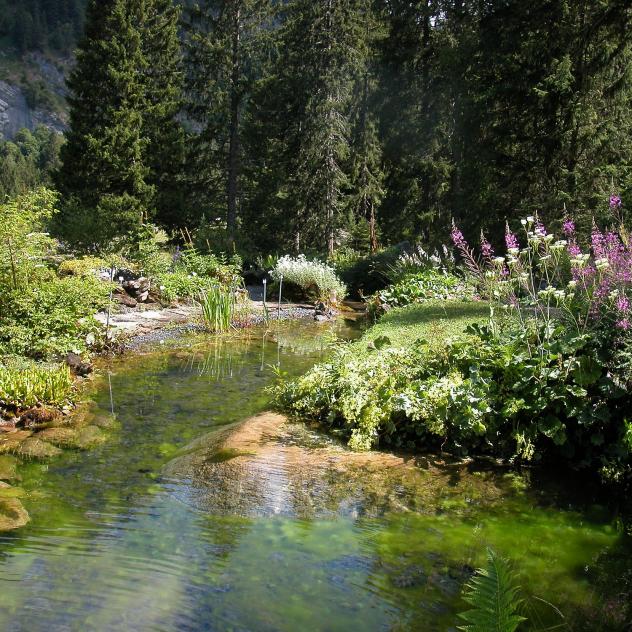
114	544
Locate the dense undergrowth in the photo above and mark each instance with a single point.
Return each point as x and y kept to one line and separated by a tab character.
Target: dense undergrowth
544	375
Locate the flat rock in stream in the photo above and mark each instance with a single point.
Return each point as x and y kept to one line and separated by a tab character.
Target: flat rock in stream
12	512
268	465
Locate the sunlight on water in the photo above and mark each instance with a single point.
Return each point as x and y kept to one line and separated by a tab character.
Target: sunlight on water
113	546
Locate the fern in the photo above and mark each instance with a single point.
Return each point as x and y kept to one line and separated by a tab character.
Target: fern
494	598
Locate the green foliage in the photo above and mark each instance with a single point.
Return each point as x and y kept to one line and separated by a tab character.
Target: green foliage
23	242
499	390
84	266
27	160
218	307
42	24
314	278
419	287
494	597
23	385
53	317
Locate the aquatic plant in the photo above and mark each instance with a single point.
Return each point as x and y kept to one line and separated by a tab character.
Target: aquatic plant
218	307
495	598
27	385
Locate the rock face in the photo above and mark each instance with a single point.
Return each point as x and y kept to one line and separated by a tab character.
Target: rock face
16	114
268	465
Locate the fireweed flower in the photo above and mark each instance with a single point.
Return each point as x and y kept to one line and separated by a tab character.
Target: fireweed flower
623	304
615	202
511	241
457	237
486	247
568	227
624	324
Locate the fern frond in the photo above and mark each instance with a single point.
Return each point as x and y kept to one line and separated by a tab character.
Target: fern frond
494	597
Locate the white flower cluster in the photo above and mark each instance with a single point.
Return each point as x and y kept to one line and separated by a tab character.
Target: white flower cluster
309	274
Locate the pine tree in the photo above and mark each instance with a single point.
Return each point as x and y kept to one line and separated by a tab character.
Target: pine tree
322	42
162	130
366	173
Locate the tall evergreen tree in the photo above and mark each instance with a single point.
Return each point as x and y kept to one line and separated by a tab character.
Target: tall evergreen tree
122	97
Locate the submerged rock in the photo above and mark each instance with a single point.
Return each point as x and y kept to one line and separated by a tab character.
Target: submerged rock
12	512
8	468
268	465
34	448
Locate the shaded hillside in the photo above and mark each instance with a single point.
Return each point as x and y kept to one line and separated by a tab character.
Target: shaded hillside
37	38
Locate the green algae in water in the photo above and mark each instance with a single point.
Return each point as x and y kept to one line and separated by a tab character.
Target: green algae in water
114	545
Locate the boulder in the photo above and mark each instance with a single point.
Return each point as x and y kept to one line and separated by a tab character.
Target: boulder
12	512
77	365
38	417
10	441
34	448
8	468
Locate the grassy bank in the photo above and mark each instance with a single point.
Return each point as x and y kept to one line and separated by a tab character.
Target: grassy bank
433	322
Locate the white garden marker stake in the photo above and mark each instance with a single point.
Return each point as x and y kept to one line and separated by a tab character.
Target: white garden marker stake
280	292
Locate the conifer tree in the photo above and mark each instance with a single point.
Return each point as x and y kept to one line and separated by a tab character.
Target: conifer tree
123	98
322	39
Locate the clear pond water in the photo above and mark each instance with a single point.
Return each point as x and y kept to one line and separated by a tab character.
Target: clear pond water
113	546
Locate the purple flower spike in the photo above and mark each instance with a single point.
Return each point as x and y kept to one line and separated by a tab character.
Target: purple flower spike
569	227
623	324
511	241
486	247
457	237
623	304
615	202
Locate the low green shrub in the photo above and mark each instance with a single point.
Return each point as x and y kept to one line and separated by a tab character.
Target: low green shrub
178	285
484	393
23	385
52	317
314	278
82	267
427	285
365	276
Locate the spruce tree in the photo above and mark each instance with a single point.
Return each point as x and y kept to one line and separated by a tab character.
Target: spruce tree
116	162
103	176
162	130
322	40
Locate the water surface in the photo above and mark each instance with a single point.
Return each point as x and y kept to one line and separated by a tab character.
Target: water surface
113	546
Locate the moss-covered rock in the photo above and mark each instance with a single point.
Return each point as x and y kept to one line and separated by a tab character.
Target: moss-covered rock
12	512
34	448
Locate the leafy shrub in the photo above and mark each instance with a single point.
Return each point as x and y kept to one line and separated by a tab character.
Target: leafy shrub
367	275
182	285
50	318
417	261
23	242
422	286
25	385
82	267
315	278
548	378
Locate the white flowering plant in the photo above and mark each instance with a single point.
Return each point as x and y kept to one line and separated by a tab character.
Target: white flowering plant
311	276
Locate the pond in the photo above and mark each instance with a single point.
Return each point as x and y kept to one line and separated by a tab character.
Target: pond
119	540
